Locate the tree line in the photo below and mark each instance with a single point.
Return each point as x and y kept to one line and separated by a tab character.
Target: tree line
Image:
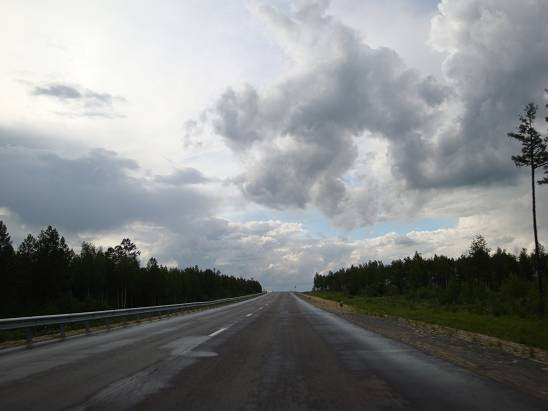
495	282
45	276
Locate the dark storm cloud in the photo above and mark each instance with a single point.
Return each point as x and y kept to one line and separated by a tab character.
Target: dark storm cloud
89	192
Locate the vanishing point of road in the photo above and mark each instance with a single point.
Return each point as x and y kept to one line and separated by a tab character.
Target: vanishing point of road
274	352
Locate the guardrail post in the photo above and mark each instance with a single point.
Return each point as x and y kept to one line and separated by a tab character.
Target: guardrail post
29	335
107	321
62	329
87	327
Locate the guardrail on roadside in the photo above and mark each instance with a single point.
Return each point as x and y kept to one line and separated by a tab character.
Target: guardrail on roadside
61	319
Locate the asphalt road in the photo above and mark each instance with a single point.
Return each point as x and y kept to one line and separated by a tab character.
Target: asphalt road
275	352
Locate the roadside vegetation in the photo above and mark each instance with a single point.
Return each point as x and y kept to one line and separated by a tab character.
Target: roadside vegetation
531	331
489	293
496	283
45	276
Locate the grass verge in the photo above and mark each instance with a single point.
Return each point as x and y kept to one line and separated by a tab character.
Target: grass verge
532	332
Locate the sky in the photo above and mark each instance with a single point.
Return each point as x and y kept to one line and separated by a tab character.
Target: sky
271	139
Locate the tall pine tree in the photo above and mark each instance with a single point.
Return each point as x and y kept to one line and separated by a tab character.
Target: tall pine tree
545	179
533	155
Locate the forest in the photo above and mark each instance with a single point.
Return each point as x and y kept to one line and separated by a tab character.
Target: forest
498	283
45	276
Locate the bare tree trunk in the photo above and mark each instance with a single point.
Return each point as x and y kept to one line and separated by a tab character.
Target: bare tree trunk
536	262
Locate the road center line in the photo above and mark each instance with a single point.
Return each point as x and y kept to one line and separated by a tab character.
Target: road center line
217	332
249	315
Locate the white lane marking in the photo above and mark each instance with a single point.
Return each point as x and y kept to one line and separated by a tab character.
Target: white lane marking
217	332
260	308
249	315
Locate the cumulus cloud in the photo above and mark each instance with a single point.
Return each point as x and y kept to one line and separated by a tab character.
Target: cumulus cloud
496	59
298	138
82	101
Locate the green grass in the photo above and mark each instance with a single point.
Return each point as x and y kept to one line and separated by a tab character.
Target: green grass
532	332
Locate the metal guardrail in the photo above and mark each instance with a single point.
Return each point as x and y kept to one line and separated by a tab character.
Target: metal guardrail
86	317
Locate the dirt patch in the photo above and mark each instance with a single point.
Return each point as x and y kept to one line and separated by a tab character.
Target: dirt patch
510	363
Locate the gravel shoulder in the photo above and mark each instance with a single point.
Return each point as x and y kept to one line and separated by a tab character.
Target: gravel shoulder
499	360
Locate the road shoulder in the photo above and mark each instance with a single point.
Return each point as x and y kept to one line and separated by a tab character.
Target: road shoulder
525	374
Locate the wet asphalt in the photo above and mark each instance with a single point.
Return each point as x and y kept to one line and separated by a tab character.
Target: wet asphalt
275	352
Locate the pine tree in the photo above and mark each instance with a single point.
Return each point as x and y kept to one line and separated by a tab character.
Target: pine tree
6	248
545	179
533	155
6	265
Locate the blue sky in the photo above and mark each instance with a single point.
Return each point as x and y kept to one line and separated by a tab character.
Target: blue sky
316	223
